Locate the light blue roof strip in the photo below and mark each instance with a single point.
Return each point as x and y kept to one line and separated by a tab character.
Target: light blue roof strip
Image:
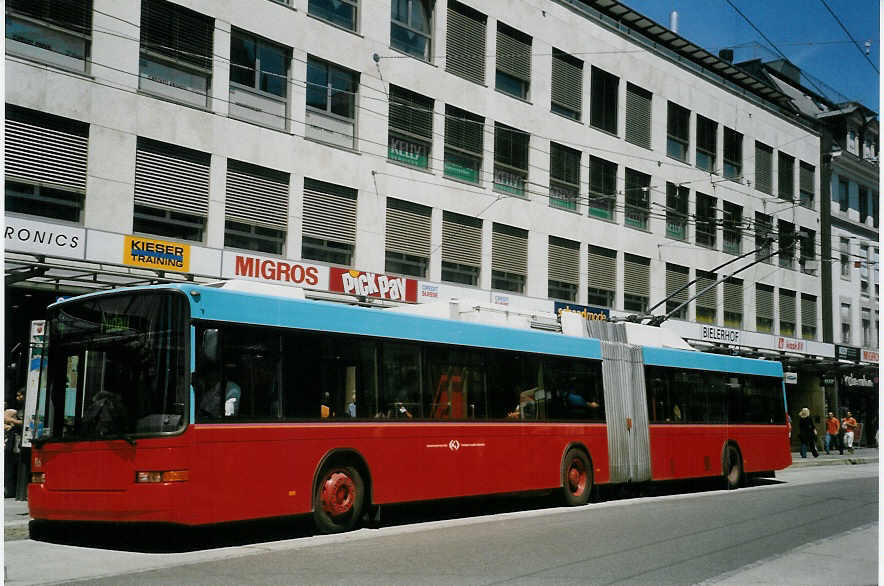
706	361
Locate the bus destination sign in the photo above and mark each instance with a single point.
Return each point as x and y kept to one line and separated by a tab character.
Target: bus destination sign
368	284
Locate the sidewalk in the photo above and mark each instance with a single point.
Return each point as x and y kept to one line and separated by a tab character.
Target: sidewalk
859	456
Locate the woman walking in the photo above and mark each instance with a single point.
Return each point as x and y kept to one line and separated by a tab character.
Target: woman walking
807	433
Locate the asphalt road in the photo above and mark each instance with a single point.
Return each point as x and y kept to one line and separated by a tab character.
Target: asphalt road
667	537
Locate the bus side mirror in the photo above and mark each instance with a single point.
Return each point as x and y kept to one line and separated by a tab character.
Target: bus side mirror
210	346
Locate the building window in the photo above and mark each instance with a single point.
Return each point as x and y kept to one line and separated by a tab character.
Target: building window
638	199
806	188
787	313
707	144
411	29
176	53
807	255
340	13
785	176
45	164
733	154
763	238
786	254
564	177
331	103
509	258
845	259
328	222
464	134
763	168
843	195
707	224
638	116
602	188
567	85
407	238
764	310
636	283
677	211
411	128
733	303
510	159
602	276
604	88
255	208
732	234
162	169
513	62
461	248
258	80
677	278
706	303
58	33
678	124
465	43
808	316
845	323
863	204
866	317
563	269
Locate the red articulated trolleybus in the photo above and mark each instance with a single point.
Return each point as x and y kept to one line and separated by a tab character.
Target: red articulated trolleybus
194	404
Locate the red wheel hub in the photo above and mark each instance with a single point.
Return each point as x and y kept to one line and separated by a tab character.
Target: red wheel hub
337	494
576	477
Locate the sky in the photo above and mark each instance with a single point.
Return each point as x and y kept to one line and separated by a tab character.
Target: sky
802	30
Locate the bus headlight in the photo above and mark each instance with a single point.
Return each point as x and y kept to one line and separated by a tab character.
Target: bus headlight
157	476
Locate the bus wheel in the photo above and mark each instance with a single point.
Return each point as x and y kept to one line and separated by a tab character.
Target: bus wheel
338	499
576	478
733	467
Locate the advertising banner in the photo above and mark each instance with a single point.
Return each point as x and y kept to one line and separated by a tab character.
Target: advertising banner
147	253
44	238
376	285
239	265
587	311
35	383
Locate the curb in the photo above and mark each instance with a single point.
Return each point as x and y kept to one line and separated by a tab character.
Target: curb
829	462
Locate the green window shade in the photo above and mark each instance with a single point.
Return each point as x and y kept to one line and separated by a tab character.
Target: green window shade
638	116
602	268
411	113
764	301
808	311
509	249
463	130
465	44
733	296
676	278
636	275
461	239
408	228
564	260
787	306
709	299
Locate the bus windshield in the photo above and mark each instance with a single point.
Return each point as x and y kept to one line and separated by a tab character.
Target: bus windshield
117	367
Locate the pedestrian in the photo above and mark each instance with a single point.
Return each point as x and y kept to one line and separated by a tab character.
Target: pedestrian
12	436
807	433
833	428
848	424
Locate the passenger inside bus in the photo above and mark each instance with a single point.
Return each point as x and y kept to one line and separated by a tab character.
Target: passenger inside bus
213	403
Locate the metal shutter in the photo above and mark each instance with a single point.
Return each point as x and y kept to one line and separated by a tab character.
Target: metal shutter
464	130
564	260
764	301
636	275
805	178
513	52
465	43
785	176
733	296
170	177
257	195
564	164
709	299
567	81
808	311
763	168
411	113
45	149
177	32
408	228
638	116
602	268
787	306
329	211
509	249
461	239
511	146
676	278
66	14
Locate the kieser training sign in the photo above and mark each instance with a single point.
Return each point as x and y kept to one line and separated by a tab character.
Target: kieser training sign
356	282
156	254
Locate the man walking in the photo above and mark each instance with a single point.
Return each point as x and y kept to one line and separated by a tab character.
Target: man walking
848	424
833	428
